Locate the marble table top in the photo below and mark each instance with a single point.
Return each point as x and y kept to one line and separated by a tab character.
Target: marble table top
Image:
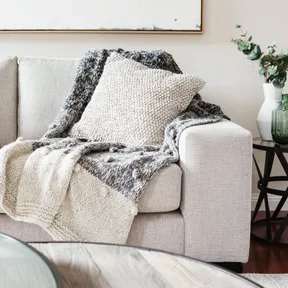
109	266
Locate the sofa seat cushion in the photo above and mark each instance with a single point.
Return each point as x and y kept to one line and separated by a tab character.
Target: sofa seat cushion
164	231
162	193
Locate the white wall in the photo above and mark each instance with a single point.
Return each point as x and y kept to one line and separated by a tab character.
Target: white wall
232	81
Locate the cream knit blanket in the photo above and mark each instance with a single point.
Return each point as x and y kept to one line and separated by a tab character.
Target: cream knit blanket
50	189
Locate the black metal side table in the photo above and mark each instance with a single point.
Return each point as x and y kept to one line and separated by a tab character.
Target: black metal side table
275	226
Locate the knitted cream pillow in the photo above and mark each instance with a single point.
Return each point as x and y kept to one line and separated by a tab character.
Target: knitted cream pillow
132	104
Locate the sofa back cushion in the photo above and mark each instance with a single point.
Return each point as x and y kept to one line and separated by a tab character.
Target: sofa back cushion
8	100
43	85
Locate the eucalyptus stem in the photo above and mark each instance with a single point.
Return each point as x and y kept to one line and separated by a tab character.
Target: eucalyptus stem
273	65
243	33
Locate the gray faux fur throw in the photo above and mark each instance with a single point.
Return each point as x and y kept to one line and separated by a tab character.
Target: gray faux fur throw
83	190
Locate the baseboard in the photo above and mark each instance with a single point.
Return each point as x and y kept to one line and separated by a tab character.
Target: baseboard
273	202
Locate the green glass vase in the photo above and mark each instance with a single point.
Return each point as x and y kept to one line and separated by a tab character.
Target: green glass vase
280	122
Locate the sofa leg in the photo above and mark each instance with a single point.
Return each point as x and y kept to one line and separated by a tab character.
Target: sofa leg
236	267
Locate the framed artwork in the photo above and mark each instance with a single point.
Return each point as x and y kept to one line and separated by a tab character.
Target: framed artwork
98	16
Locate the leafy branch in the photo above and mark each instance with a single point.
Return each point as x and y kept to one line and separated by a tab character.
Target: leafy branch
273	66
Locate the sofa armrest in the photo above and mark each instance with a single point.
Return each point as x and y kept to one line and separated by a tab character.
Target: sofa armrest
216	160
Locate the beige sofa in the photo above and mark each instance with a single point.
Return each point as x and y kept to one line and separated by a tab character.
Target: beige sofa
200	208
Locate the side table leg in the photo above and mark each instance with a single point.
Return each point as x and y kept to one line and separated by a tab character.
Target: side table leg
258	204
279	206
280	231
269	233
262	184
261	195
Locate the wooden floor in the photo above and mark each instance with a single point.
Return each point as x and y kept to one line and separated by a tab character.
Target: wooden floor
266	258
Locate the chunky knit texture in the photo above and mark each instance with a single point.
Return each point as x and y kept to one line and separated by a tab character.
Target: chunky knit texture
88	76
82	189
48	188
132	104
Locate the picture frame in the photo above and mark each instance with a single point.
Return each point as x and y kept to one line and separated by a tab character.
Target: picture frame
165	24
